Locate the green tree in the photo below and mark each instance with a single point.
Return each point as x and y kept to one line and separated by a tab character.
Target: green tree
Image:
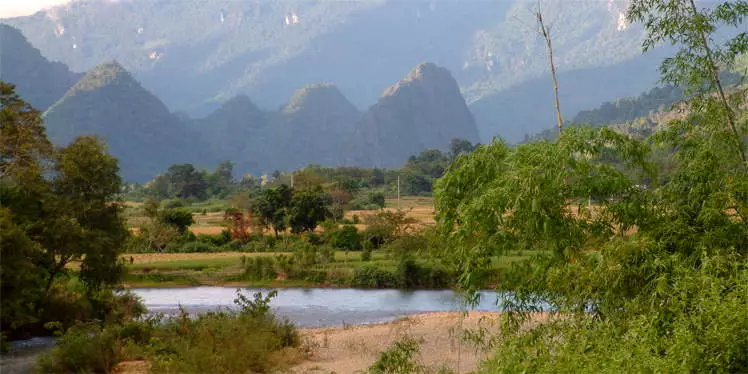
180	218
645	278
431	162
308	209
185	181
459	146
221	180
698	64
59	206
346	237
377	177
21	280
88	225
271	207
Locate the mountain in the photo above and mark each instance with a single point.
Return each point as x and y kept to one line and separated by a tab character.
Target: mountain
307	130
424	110
232	130
196	55
39	81
312	126
139	130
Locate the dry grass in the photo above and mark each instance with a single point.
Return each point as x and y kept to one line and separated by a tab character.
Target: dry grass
149	258
419	208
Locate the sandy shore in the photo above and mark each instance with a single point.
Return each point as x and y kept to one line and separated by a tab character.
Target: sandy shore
350	349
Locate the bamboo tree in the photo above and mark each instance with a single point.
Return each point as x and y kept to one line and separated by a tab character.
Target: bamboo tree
697	65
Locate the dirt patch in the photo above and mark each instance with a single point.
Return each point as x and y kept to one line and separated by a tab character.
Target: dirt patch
350	349
131	367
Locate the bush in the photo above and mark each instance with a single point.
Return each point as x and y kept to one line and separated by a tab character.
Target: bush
366	254
370	276
399	359
217	342
194	247
84	348
306	254
258	268
411	274
377	199
346	238
218	240
314	239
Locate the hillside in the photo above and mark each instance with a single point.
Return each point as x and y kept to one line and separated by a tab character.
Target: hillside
312	126
268	49
424	110
138	128
307	130
39	81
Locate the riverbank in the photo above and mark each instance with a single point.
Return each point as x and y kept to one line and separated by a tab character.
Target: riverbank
272	270
349	349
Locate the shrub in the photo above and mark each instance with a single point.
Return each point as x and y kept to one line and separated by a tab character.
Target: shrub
83	348
218	240
306	254
377	199
370	276
181	218
217	342
194	247
398	359
313	238
258	268
366	254
346	237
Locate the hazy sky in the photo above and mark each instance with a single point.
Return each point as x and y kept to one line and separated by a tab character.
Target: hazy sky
13	8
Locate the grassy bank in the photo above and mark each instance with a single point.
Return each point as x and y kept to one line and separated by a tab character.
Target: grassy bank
271	269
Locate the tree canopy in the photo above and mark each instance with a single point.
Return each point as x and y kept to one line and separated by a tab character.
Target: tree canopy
647	277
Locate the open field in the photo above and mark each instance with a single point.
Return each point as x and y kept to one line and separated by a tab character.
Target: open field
208	216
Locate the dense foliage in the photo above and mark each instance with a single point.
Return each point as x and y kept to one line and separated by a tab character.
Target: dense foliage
643	278
59	207
251	339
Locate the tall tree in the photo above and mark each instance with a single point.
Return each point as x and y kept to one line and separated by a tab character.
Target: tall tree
59	206
698	64
308	208
185	181
271	207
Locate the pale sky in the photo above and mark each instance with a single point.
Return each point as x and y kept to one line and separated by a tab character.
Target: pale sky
14	8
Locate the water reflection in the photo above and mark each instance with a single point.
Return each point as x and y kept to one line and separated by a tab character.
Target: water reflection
313	307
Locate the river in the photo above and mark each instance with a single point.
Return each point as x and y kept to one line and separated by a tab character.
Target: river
317	307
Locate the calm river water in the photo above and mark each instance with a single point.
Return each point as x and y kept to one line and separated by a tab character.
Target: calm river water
317	307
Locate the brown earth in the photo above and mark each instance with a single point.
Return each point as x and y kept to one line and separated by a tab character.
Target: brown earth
353	349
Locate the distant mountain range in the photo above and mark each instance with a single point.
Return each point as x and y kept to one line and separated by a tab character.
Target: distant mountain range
318	125
196	56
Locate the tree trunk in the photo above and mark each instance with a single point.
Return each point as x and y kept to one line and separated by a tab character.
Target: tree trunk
547	37
714	70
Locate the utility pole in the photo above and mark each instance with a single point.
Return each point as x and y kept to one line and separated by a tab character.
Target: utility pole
292	179
398	192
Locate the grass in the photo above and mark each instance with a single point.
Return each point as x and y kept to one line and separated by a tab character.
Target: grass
225	268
